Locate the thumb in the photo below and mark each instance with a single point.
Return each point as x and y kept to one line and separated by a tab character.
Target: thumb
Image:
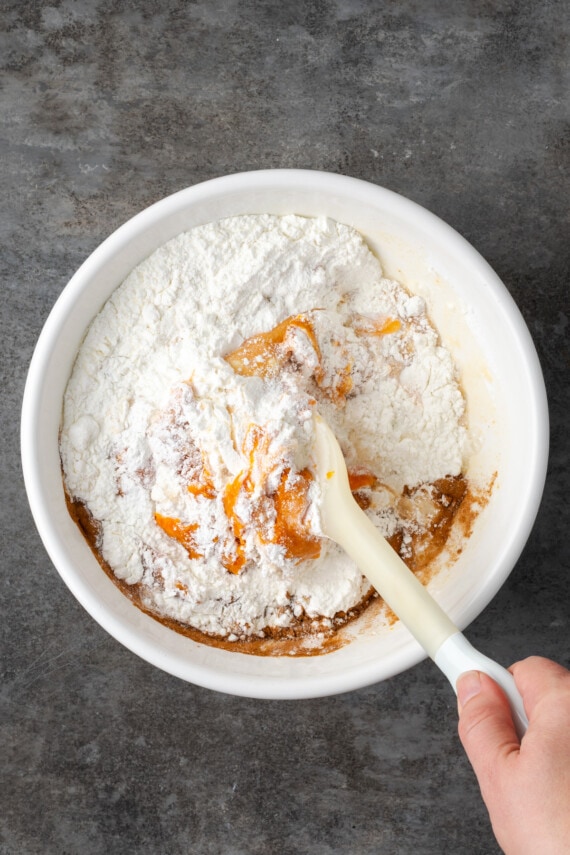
486	726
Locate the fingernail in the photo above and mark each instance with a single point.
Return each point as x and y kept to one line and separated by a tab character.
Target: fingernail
468	685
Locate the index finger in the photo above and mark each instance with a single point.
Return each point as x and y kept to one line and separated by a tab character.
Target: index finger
537	679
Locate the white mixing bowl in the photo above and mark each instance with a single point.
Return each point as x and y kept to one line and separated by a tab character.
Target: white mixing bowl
478	321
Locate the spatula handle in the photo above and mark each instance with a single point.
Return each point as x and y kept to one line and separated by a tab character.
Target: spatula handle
417	609
456	655
394	581
349	526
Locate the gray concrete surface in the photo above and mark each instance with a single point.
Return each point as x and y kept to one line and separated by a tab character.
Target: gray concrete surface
106	107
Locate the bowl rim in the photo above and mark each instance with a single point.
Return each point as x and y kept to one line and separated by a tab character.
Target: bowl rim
137	642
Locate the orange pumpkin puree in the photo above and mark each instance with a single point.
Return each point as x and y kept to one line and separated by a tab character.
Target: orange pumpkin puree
289	502
184	534
263	356
280	516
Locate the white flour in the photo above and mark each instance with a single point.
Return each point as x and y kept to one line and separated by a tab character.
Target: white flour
157	422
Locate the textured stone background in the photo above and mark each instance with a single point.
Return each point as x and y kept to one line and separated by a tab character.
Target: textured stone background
108	106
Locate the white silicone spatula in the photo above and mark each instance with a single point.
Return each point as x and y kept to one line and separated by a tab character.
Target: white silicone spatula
343	521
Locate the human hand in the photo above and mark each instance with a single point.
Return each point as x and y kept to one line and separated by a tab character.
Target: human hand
525	785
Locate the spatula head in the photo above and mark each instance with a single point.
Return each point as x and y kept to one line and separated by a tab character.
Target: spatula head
332	476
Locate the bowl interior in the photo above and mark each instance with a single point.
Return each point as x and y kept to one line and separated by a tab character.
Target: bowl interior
478	321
